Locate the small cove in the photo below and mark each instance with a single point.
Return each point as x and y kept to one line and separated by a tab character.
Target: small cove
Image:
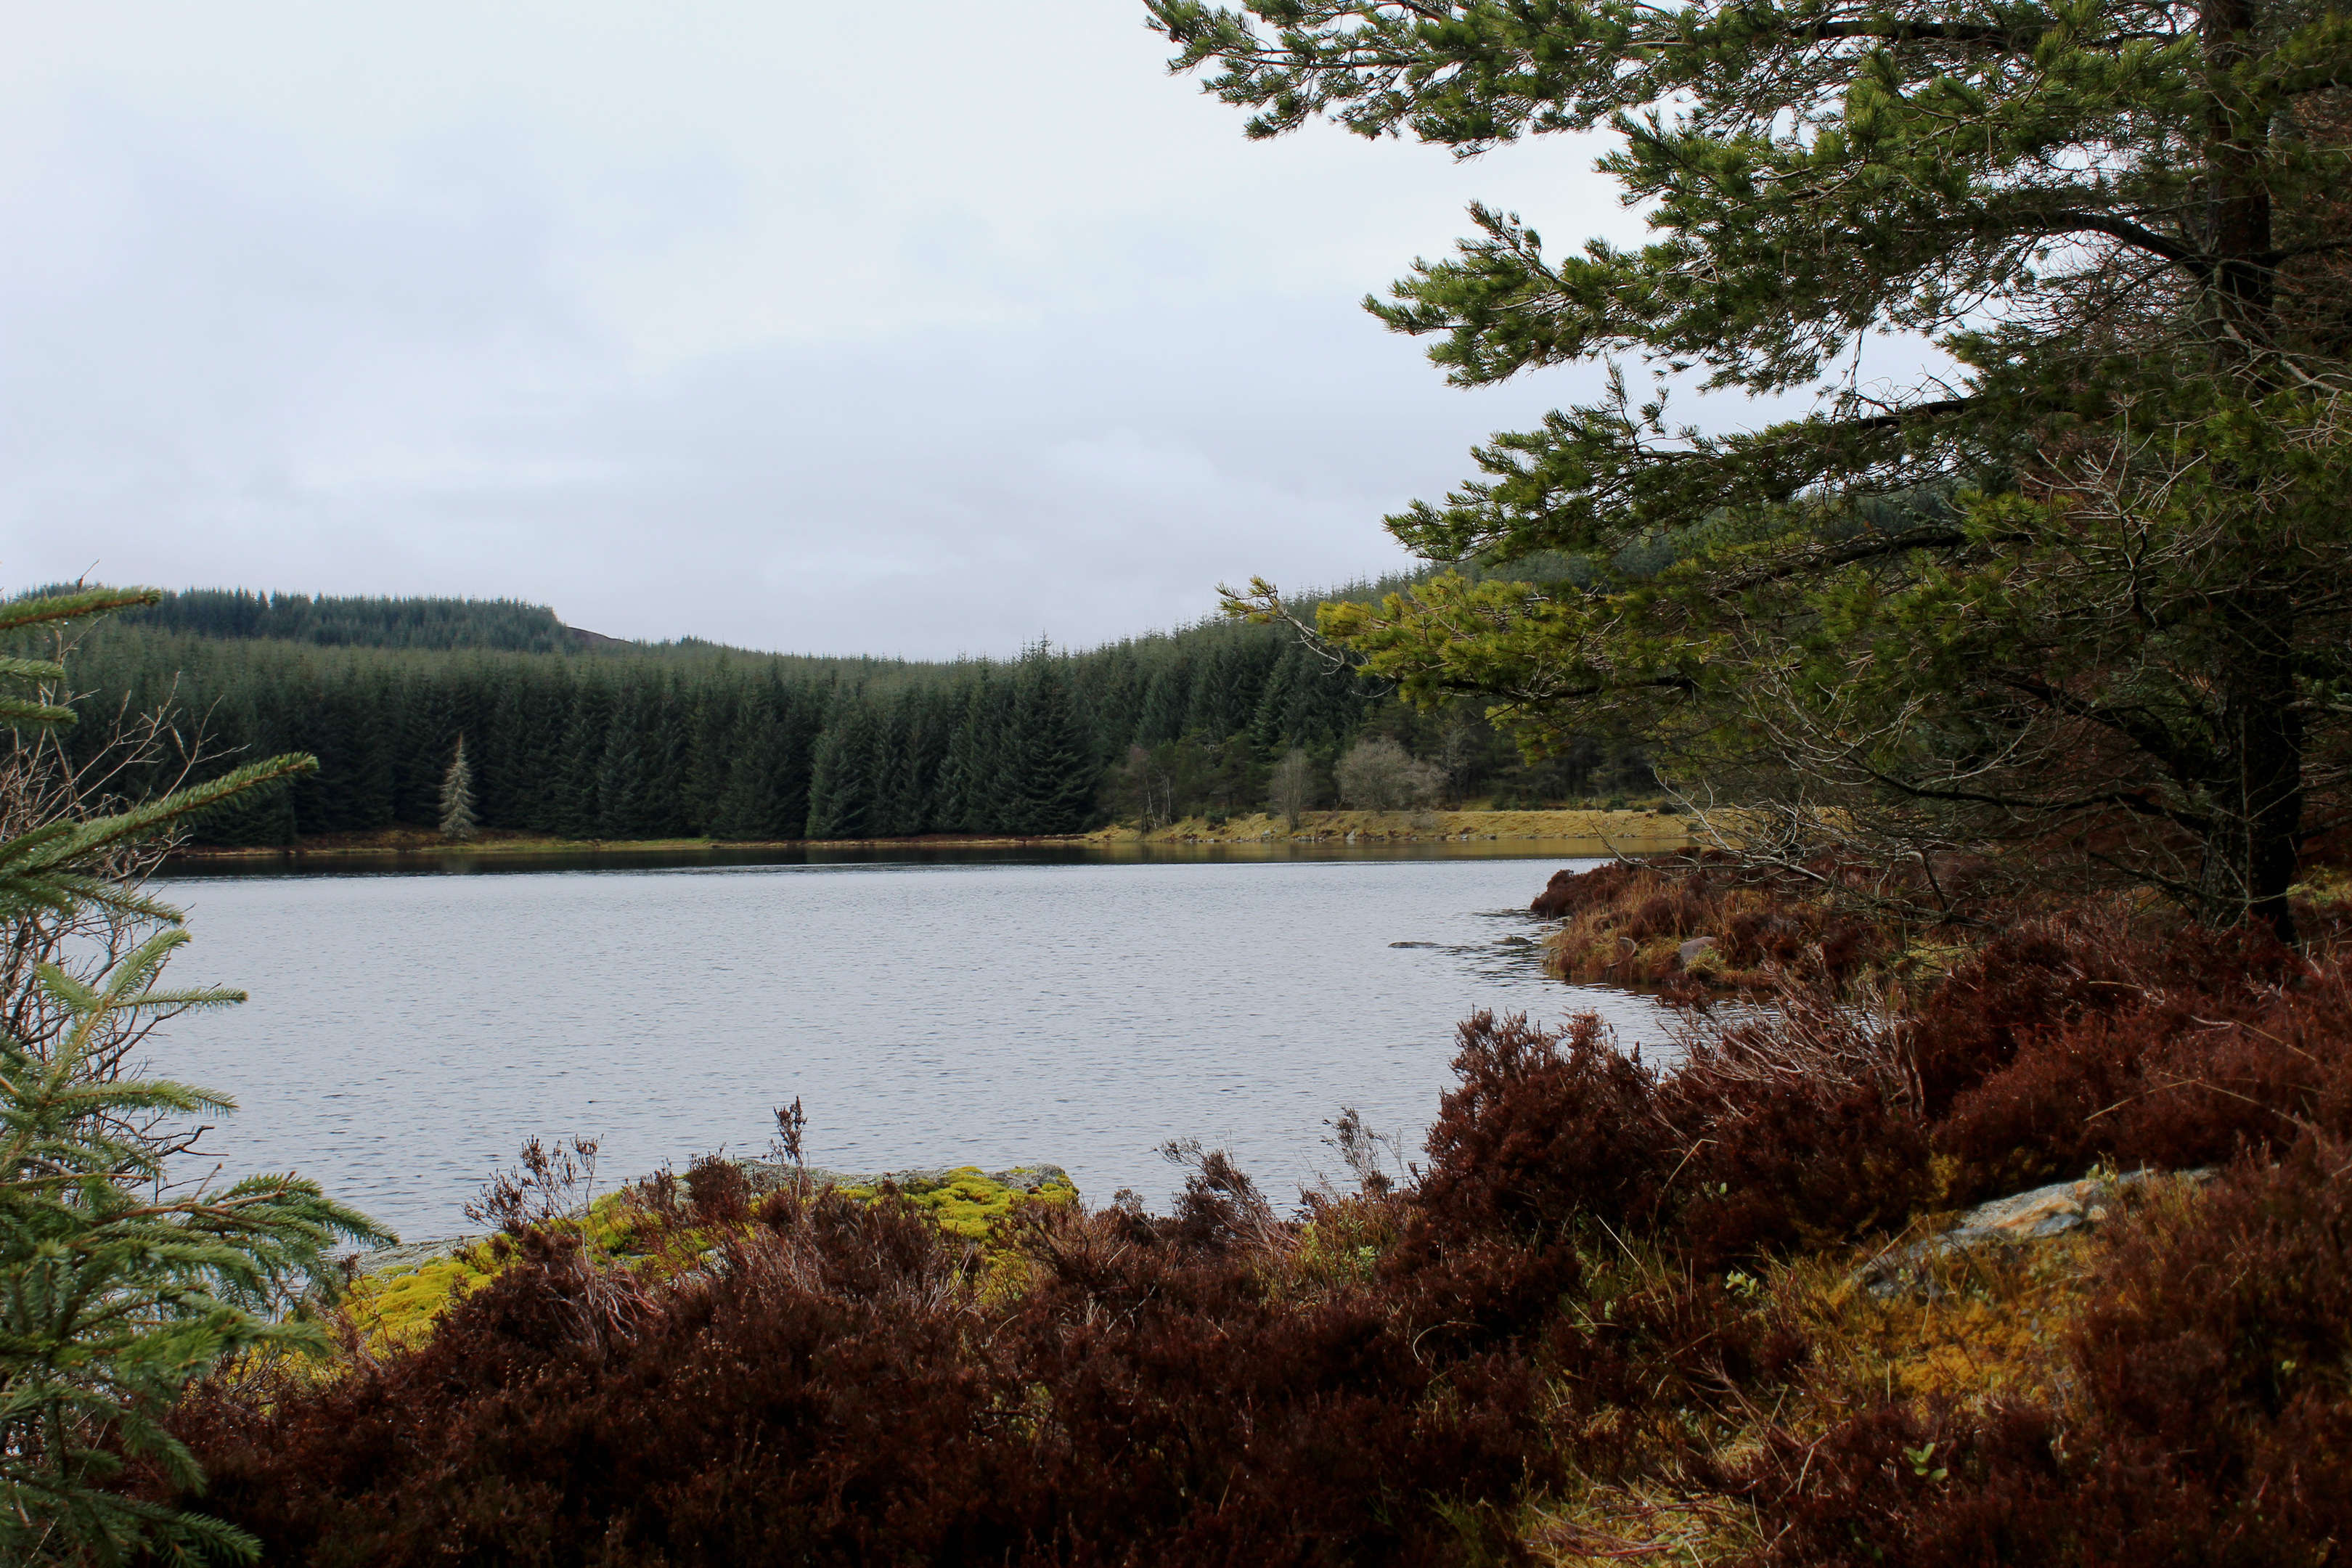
406	1031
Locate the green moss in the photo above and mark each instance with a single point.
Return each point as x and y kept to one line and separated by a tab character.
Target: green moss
966	1203
393	1311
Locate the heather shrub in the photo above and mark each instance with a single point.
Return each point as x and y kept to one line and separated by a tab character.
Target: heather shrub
2035	975
1625	922
830	1380
2216	1361
2165	1049
1540	1131
1937	1486
1787	1165
810	1396
2207	1420
1323	1421
1792	1125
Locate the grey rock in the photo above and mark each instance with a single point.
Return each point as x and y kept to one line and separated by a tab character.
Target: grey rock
1692	948
1413	944
2021	1218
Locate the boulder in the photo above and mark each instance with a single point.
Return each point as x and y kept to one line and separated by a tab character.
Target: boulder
2039	1215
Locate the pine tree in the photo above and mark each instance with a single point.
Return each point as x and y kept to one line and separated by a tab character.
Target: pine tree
457	796
2082	589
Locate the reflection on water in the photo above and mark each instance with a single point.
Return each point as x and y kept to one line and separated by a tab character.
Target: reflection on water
405	1031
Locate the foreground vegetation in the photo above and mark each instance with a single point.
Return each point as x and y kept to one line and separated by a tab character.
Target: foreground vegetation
1617	1310
120	1281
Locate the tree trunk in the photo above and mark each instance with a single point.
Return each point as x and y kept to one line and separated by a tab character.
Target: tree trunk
2251	856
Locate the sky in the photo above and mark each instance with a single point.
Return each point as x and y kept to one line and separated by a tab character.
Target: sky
926	329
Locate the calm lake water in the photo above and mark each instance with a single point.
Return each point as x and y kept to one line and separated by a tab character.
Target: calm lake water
407	1031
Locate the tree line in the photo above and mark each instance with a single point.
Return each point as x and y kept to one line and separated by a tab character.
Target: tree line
698	741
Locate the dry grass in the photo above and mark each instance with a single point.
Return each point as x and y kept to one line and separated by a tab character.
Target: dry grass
1642	1522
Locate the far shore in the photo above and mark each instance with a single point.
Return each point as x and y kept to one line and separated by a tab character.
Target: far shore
1629	831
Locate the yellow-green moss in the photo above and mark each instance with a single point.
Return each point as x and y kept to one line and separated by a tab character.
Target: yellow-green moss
966	1203
393	1311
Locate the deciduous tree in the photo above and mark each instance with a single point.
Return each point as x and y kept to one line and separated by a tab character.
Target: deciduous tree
1378	774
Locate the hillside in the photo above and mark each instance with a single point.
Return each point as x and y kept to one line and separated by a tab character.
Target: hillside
574	739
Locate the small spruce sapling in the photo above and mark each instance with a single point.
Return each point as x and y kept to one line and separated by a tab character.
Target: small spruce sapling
457	796
117	1288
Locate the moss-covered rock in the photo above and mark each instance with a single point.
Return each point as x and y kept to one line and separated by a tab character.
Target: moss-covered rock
400	1291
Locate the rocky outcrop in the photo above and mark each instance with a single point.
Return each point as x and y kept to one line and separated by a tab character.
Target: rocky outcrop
2059	1209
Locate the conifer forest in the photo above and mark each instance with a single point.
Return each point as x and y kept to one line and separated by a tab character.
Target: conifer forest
575	736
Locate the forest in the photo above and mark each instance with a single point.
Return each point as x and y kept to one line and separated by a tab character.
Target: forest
583	737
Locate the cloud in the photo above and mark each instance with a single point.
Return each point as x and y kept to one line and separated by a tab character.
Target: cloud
896	332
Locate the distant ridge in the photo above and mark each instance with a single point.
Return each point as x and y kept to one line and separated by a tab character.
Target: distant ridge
505	626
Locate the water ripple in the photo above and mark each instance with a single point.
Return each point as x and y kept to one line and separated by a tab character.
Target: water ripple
405	1032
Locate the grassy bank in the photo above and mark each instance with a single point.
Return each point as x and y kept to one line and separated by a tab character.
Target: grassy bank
1627	831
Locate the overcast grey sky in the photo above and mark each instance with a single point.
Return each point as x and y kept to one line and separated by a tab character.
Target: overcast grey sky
920	328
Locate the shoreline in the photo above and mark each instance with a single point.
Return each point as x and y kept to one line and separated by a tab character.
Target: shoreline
1624	831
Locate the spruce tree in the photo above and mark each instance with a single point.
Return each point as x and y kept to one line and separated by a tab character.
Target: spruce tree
841	782
2084	590
1047	775
581	755
457	796
750	808
116	1287
1167	702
